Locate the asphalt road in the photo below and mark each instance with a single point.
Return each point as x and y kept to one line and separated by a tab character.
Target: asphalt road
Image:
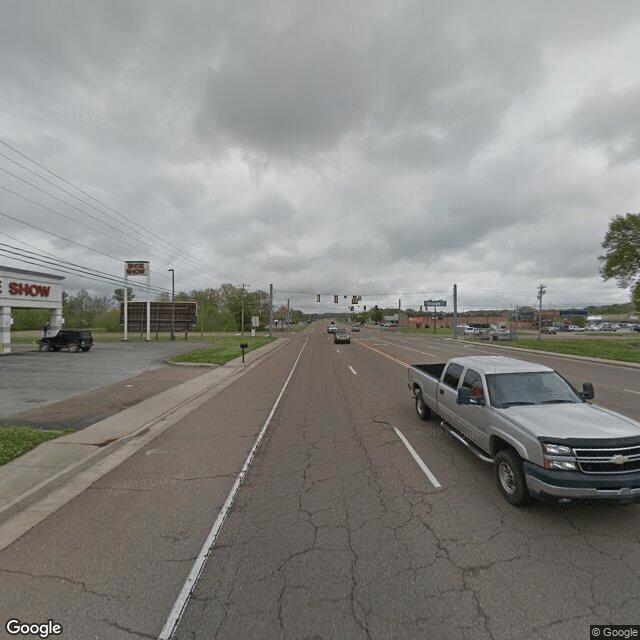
336	532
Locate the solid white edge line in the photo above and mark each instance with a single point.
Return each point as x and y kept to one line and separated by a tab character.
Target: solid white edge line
417	458
355	373
180	604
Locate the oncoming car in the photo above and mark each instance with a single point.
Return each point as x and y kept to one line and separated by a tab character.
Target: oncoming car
342	337
332	328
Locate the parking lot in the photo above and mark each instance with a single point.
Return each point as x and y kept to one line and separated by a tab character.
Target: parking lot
30	379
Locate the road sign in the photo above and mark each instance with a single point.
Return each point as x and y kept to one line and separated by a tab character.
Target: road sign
435	303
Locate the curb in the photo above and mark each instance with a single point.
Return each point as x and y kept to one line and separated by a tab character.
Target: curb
146	431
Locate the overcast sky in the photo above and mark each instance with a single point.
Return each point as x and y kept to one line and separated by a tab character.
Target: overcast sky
386	149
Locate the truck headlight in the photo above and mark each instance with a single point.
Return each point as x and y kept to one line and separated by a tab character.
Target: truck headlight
556	450
559	457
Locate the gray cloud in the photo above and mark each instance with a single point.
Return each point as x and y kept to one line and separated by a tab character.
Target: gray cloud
330	146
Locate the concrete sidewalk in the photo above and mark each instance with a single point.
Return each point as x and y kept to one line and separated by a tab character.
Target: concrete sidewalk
28	483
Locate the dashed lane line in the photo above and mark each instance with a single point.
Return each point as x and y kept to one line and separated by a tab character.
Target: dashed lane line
418	459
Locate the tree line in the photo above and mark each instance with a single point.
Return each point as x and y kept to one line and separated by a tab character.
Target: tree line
219	309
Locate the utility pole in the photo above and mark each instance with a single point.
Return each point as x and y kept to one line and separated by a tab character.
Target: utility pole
173	305
242	313
542	289
270	310
288	316
455	311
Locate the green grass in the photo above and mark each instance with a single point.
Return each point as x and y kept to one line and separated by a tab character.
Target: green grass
223	349
623	349
16	441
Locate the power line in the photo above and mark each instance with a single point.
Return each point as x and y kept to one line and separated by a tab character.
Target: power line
187	258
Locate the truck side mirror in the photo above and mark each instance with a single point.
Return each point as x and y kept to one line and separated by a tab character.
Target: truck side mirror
587	391
464	395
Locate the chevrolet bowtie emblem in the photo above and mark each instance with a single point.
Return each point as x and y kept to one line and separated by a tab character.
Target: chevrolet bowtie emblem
619	459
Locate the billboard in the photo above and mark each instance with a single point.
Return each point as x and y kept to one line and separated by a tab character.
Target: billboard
160	320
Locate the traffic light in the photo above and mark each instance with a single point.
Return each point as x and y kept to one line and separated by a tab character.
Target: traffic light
354	299
365	307
318	297
335	299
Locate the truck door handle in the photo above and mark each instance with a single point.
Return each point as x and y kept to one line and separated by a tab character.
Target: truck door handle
441	392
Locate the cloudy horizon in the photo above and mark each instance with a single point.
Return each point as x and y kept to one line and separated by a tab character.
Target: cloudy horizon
377	149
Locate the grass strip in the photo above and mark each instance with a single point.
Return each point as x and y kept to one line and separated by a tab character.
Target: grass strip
223	349
16	441
624	350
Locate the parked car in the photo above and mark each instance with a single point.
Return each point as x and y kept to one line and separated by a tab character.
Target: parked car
549	330
72	339
342	337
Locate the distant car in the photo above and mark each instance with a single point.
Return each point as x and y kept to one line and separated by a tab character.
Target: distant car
575	328
71	339
332	328
342	337
356	327
549	330
472	331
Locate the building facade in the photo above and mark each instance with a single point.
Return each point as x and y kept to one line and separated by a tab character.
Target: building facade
28	289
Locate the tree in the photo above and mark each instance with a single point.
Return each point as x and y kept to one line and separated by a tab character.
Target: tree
118	294
621	259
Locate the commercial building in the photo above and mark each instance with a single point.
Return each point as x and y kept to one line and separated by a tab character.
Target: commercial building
32	290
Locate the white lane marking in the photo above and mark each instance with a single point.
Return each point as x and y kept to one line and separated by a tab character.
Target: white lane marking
386	355
632	391
417	458
355	373
400	346
183	599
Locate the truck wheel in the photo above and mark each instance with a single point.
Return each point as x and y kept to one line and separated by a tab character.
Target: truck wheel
44	346
74	347
510	477
424	413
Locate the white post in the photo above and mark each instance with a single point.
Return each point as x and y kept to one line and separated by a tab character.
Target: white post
5	330
126	304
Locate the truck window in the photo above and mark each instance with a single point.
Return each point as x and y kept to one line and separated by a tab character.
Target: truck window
452	375
473	382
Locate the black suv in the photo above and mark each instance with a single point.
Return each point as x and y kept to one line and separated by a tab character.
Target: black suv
72	339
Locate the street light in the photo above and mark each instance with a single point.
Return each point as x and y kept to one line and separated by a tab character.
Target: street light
173	304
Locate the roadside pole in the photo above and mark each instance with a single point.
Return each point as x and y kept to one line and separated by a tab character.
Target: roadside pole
455	311
270	310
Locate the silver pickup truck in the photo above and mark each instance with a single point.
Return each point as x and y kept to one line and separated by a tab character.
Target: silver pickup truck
539	432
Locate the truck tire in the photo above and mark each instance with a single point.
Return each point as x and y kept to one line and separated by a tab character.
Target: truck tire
44	346
74	347
424	412
510	477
